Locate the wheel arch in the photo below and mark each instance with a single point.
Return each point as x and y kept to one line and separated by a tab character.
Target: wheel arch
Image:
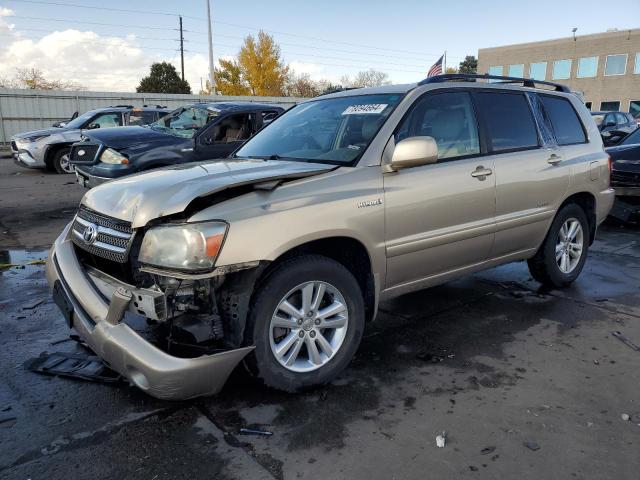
586	201
350	253
52	150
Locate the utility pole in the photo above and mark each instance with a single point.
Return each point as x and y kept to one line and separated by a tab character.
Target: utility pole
181	48
211	71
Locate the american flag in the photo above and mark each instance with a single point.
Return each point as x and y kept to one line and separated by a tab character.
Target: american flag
436	69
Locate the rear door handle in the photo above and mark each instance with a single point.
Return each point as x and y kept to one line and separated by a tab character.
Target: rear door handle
481	173
554	159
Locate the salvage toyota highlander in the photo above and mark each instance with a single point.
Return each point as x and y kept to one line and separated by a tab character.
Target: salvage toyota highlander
279	255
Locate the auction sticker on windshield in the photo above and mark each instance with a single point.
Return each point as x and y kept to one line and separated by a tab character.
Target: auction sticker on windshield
371	108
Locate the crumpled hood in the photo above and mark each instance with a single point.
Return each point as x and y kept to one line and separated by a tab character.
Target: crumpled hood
166	191
125	137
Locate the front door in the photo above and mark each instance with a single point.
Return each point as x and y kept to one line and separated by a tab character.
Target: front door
439	218
224	136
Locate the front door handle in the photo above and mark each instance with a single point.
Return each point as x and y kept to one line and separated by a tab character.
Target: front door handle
554	159
481	173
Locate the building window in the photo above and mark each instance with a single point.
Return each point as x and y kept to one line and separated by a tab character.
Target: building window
637	67
634	108
587	67
516	70
561	69
615	65
495	70
588	105
609	106
538	71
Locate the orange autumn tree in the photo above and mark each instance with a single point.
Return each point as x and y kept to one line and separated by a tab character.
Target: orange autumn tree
258	70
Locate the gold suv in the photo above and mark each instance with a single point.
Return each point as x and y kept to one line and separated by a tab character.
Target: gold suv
280	254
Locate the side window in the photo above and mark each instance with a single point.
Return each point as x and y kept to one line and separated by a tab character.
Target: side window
233	128
447	117
108	120
141	118
508	119
564	120
610	120
621	119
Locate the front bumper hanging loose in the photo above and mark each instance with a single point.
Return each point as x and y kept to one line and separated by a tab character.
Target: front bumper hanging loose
98	321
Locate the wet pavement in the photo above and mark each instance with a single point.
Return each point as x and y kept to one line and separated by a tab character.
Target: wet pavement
499	364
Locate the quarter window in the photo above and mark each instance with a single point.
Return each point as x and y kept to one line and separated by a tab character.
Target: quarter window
587	67
561	69
538	71
516	70
615	65
564	120
610	106
448	118
509	121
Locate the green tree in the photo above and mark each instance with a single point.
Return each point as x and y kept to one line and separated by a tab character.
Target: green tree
261	65
468	65
230	79
163	78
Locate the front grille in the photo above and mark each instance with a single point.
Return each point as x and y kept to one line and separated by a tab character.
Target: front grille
625	179
14	147
89	153
112	238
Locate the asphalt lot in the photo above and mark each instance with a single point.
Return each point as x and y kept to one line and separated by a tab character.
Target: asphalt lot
491	359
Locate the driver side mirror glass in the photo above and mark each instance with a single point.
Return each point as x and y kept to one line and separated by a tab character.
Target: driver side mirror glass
413	152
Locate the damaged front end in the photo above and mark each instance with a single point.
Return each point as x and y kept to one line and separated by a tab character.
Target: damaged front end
193	329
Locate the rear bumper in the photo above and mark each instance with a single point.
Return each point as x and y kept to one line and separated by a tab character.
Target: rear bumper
98	321
604	203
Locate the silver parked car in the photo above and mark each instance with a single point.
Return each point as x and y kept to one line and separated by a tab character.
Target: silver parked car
49	148
279	255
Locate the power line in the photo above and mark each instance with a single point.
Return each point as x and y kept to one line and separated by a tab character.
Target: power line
235	25
66	20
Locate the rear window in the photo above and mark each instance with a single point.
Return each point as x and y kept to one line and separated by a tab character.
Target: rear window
509	122
564	120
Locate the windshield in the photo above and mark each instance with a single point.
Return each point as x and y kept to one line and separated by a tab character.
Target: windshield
80	121
186	121
632	138
334	130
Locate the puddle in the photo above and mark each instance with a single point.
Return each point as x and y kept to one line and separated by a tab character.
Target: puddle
13	258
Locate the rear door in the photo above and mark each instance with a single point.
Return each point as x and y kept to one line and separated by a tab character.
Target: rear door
439	217
532	172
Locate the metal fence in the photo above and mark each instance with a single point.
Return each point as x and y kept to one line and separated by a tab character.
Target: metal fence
24	110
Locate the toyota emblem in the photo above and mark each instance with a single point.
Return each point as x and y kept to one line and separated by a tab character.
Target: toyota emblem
81	153
90	234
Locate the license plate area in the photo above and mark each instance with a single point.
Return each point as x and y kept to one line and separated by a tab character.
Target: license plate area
63	302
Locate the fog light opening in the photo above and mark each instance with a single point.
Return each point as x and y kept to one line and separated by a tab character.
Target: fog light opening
138	378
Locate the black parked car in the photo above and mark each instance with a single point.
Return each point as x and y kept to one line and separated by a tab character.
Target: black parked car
194	132
625	177
614	126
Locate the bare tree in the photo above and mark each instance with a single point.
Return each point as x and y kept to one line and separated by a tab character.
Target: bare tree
302	86
366	78
34	79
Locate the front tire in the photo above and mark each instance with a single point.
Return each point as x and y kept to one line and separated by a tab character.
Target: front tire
61	161
563	253
306	322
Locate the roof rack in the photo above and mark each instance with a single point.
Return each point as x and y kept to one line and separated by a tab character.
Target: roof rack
468	77
121	106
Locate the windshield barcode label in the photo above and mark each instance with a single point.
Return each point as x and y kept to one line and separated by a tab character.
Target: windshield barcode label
372	108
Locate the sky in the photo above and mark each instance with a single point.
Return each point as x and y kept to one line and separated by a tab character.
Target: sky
78	41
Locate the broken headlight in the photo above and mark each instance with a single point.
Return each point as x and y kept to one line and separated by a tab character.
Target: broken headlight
113	157
188	246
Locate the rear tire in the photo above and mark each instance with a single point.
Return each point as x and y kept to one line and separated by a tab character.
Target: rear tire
563	253
61	161
307	345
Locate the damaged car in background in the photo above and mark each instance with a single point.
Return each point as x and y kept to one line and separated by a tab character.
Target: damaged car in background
279	255
625	178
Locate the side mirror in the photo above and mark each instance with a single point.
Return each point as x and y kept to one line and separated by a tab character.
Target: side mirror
413	152
93	126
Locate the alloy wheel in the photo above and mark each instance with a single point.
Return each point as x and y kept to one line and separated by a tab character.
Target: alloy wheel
308	326
569	245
